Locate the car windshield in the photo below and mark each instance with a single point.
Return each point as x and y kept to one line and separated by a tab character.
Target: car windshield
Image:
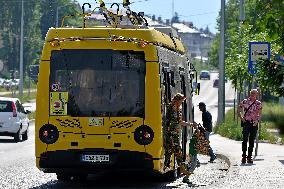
204	73
5	106
100	82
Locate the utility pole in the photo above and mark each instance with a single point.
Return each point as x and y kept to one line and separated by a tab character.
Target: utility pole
221	87
241	20
21	53
242	12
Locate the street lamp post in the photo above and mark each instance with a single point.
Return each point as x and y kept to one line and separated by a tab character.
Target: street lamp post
21	53
221	88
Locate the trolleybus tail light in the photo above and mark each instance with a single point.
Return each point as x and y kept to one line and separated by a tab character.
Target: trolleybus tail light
48	134
142	44
143	135
54	43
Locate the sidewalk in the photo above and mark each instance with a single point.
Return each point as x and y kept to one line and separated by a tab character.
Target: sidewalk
267	171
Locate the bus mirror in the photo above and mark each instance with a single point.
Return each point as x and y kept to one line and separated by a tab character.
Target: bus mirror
191	74
173	78
197	89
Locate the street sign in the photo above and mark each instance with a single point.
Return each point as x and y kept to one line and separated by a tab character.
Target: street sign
257	51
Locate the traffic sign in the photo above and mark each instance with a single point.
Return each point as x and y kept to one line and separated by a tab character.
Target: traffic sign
257	51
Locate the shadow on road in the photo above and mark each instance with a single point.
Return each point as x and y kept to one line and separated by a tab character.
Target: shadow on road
111	180
247	164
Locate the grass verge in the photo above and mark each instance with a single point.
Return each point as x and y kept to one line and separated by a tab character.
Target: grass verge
32	115
24	98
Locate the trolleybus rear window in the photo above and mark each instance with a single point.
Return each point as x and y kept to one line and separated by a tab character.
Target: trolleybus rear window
100	82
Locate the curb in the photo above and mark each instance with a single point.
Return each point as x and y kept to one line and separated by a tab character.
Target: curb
224	158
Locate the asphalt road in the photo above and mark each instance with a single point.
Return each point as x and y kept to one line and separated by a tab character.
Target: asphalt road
209	96
18	170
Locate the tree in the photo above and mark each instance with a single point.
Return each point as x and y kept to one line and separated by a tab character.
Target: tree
264	22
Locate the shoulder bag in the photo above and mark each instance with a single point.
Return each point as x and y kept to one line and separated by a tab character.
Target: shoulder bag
243	123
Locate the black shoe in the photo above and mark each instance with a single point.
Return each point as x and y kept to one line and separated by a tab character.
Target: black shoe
212	159
186	180
198	164
244	159
249	160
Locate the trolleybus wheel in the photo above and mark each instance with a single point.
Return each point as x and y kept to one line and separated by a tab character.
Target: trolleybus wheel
79	177
63	177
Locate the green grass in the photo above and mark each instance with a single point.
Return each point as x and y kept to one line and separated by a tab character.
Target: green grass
32	115
230	128
233	130
24	98
273	113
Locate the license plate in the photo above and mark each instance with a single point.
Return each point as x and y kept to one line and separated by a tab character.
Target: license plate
94	121
95	158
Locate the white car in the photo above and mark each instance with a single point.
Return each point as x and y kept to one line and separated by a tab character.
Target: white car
13	119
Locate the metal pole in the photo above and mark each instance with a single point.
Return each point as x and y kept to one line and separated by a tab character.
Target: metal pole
221	88
241	19
173	8
259	129
21	52
29	88
242	12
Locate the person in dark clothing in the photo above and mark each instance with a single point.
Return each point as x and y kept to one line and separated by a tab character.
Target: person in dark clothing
207	124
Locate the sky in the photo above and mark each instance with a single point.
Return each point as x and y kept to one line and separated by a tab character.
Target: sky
201	12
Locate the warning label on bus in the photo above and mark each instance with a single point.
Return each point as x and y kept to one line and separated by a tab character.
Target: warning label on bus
58	103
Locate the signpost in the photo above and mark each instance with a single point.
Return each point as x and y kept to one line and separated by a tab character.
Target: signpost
257	51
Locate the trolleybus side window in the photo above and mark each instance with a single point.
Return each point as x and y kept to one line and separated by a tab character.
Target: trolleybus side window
100	82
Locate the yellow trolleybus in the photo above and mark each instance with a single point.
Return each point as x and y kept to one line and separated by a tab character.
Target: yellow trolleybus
101	99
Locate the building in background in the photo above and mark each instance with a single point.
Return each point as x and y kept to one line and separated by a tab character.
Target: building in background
197	42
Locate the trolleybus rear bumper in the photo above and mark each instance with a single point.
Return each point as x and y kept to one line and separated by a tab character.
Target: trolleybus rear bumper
71	161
